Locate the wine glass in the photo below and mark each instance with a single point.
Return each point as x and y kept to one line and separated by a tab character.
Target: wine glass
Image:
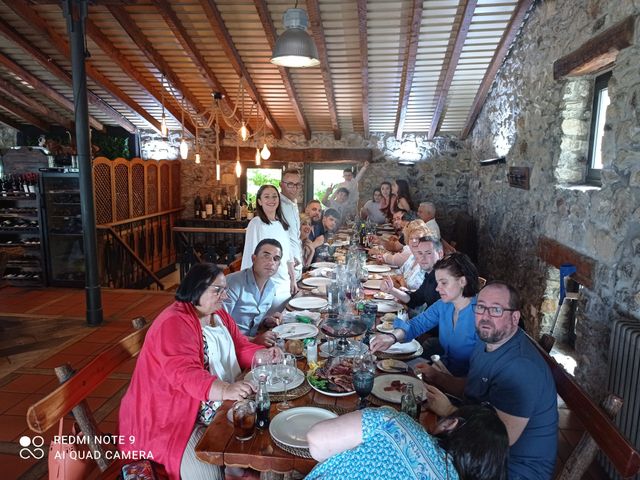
286	373
363	374
262	365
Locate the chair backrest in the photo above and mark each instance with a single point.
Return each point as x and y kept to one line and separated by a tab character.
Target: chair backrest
624	457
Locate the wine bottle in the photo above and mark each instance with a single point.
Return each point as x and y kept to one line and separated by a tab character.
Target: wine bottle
249	211
209	206
408	403
197	206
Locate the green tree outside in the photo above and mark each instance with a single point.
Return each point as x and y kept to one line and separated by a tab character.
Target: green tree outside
256	177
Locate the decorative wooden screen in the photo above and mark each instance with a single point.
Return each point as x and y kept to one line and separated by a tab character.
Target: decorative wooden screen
102	192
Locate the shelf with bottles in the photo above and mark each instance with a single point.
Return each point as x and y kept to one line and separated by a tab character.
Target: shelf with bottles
19	185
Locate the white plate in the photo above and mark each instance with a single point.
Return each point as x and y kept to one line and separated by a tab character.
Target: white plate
330	394
307	302
373	268
397	366
316	281
381	297
388	307
403	348
373	284
291	426
323	265
279	386
296	330
324	349
381	328
395	396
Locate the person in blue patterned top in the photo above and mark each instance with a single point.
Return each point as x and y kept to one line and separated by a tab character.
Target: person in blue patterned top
381	443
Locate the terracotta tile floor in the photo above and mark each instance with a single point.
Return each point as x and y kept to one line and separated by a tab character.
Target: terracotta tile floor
26	376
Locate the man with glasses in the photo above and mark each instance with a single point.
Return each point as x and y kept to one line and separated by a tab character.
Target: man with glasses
507	371
290	187
251	292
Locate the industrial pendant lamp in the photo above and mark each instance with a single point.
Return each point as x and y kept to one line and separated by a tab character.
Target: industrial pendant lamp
295	48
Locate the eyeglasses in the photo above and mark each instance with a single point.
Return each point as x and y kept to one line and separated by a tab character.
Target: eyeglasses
219	289
493	311
292	185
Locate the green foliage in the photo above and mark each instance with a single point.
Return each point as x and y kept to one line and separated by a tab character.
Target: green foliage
256	177
111	146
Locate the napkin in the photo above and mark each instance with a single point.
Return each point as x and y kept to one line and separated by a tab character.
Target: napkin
291	317
403	348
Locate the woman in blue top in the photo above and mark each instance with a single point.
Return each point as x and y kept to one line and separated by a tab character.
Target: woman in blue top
457	279
382	443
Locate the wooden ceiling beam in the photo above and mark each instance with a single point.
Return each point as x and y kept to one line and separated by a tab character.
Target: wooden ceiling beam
287	80
364	63
24	115
408	66
48	64
230	50
15	93
40	25
127	22
10	123
109	49
315	22
502	49
456	43
300	155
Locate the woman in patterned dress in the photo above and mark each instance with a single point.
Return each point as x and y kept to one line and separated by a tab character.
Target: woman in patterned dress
382	443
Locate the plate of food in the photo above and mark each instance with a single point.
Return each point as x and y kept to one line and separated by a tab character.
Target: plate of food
391	387
381	296
308	302
296	330
333	378
323	265
291	426
316	281
372	284
385	327
391	365
276	387
375	276
375	268
388	307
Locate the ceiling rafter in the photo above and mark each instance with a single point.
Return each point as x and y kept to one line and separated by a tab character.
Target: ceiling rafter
408	66
315	22
48	64
364	63
39	24
270	32
10	122
109	49
507	39
135	33
230	50
21	97
458	37
24	115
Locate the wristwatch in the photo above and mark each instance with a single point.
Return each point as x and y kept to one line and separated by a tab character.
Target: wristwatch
393	335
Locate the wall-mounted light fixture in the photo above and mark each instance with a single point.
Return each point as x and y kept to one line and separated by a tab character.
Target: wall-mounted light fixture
406	163
493	161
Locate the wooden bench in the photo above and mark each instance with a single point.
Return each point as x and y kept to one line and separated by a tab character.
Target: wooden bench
600	432
71	396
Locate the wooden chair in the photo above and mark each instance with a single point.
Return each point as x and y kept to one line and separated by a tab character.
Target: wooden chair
71	395
600	432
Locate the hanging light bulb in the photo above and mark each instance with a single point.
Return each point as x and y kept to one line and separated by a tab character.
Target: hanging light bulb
184	149
265	153
197	157
238	168
244	132
258	156
163	124
218	172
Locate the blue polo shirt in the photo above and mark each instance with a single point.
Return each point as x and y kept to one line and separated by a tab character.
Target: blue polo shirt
516	380
245	303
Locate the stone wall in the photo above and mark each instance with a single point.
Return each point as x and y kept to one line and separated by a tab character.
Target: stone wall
7	137
542	123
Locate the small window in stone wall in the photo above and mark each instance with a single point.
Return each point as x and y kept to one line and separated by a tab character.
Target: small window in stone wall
598	117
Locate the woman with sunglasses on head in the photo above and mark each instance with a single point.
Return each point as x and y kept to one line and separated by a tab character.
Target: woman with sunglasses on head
269	222
385	444
401	197
457	284
190	362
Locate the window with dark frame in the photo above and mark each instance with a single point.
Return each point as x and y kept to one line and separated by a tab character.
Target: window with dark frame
598	118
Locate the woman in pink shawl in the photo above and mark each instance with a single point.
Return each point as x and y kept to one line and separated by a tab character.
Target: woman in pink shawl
188	365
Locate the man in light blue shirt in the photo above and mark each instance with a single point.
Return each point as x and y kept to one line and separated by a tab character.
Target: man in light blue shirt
251	292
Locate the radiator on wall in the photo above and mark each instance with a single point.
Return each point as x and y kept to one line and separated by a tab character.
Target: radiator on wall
624	381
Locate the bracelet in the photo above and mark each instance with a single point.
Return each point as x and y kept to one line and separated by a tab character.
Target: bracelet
393	335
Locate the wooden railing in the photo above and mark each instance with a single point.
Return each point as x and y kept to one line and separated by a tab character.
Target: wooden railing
136	251
215	245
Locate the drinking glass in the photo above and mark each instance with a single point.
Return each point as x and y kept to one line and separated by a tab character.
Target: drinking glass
244	419
286	373
363	384
262	365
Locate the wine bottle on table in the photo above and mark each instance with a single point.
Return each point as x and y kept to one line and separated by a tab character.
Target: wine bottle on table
209	206
197	206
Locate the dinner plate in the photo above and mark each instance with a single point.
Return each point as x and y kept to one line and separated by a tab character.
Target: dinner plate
307	302
394	396
374	268
388	307
291	426
316	281
403	348
382	329
279	386
330	393
391	365
296	330
323	265
373	284
381	297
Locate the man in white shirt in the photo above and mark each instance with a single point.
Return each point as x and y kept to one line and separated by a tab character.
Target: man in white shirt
290	186
351	184
427	212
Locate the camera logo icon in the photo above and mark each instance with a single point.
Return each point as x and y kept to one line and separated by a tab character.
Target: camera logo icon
31	447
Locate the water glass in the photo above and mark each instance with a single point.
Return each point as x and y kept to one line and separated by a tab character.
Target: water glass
363	384
244	419
262	365
287	371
